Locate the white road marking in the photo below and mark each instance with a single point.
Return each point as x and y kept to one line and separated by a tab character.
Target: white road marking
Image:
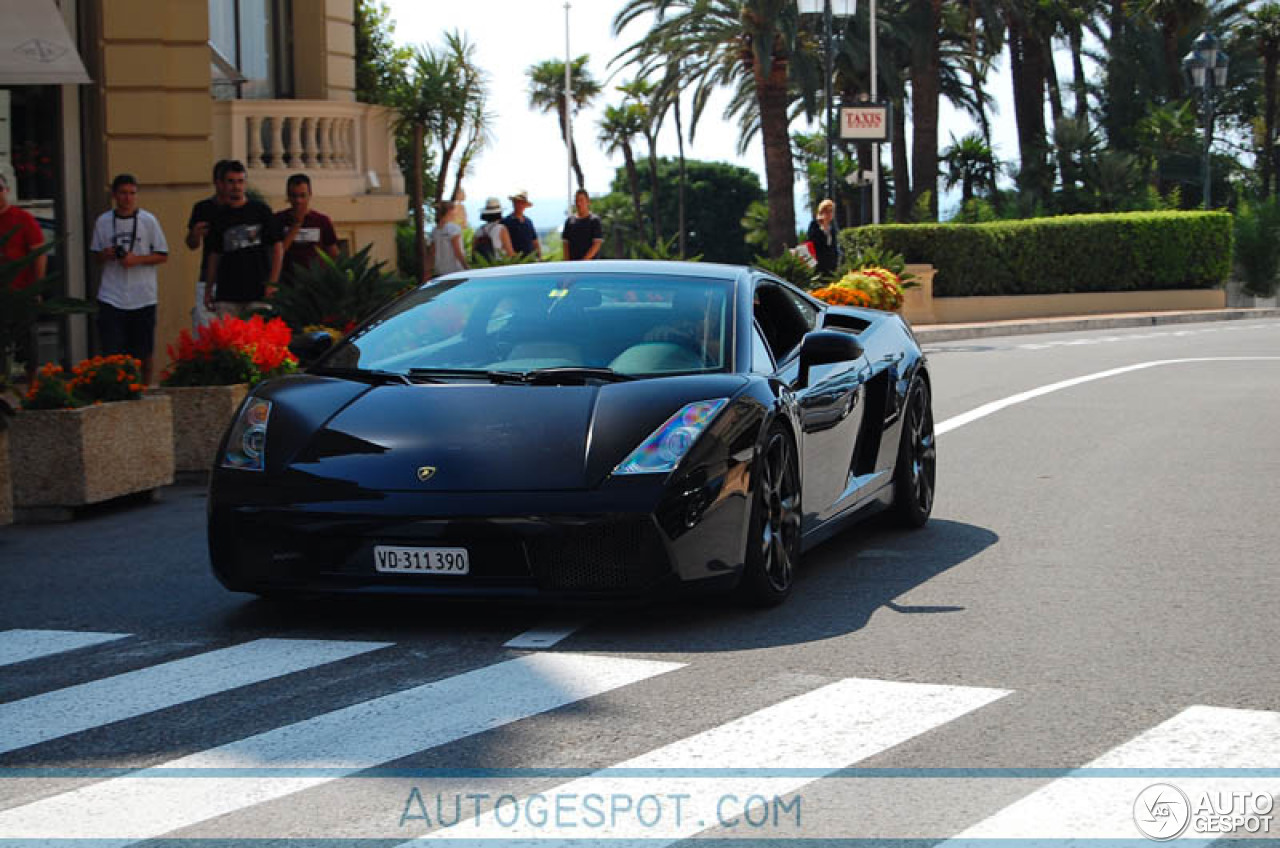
76	708
545	636
125	810
983	411
819	732
1153	334
21	645
1080	807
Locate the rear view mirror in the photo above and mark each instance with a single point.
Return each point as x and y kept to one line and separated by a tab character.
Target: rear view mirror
309	347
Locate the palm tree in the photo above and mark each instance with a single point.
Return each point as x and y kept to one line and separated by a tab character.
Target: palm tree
1175	19
641	92
969	163
620	125
547	94
442	103
745	45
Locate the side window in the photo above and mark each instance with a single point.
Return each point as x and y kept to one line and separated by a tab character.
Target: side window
806	309
780	319
761	359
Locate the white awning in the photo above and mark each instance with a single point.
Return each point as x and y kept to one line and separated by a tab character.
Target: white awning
35	47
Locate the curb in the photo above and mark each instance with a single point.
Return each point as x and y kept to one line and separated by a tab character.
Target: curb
927	333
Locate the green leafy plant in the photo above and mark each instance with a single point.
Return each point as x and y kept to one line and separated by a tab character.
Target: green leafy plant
335	293
22	309
1257	254
787	266
664	251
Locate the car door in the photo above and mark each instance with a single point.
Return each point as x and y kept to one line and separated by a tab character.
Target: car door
829	405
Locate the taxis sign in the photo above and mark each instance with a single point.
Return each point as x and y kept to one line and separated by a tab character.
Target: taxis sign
864	123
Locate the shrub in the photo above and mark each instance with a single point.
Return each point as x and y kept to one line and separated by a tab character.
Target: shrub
791	268
231	350
1078	253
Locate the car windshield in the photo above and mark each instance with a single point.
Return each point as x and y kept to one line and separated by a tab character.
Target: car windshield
596	325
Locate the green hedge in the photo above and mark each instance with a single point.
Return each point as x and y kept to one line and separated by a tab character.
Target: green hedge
1132	251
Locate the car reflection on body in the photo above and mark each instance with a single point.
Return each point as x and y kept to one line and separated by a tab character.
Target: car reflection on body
576	431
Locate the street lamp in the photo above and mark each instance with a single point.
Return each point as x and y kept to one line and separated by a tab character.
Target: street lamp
829	9
1206	67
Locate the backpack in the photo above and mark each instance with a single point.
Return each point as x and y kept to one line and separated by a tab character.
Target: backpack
482	244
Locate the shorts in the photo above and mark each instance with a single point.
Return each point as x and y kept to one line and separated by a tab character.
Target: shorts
128	331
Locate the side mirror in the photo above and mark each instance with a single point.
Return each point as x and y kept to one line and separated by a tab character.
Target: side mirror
826	347
309	347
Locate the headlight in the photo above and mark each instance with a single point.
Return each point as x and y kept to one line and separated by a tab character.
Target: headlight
667	445
247	444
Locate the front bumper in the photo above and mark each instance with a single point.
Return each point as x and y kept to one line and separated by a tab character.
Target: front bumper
556	545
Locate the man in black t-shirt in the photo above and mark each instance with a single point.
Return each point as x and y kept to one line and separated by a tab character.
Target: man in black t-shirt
245	250
198	225
583	233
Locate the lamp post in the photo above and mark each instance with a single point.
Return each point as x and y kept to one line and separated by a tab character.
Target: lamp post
1206	68
829	9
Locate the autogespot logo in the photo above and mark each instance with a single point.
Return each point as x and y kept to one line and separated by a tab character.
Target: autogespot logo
1161	812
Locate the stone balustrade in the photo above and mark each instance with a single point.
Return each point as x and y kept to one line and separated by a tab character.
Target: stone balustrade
341	142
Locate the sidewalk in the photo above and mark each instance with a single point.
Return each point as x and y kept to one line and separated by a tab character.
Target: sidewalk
928	333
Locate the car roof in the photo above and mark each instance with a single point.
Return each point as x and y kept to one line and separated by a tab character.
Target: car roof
701	270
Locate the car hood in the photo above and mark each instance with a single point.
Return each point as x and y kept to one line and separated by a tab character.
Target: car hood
474	438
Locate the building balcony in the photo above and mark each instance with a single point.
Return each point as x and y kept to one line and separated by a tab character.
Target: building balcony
346	148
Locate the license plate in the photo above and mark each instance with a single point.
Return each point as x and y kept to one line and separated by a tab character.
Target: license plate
392	560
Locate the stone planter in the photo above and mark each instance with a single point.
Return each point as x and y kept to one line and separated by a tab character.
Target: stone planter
6	478
65	458
201	415
1238	297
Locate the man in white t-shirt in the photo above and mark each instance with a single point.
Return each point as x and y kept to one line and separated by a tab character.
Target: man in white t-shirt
128	244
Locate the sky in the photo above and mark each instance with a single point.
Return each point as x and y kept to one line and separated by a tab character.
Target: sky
527	151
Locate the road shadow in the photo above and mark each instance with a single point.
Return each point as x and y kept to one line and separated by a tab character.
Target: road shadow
842	583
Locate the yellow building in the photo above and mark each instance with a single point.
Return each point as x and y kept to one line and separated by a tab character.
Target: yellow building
171	88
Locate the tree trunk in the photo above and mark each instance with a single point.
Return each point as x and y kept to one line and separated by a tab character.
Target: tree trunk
1027	68
901	168
926	86
1270	63
772	95
419	224
680	207
653	189
633	178
1079	83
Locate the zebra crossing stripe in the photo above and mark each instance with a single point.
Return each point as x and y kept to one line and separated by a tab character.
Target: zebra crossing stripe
76	708
130	809
21	645
1203	739
818	733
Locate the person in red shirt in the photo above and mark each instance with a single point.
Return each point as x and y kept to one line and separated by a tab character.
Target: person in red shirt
306	231
21	235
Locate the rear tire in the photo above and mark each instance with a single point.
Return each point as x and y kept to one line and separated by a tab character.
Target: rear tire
773	542
915	473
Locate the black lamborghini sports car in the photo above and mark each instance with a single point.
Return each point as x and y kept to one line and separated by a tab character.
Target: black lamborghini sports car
575	431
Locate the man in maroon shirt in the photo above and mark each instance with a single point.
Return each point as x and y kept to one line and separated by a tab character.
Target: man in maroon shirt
306	231
21	235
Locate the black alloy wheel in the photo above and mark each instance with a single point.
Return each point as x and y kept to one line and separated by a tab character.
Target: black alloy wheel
773	547
916	471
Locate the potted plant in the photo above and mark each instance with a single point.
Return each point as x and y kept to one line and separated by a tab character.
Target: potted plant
211	372
88	436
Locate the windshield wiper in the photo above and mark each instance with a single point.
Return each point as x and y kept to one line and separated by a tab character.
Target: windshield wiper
574	372
467	373
370	375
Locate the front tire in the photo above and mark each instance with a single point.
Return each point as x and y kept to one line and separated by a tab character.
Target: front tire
915	473
773	543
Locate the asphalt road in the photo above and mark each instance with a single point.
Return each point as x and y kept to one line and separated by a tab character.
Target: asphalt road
1098	587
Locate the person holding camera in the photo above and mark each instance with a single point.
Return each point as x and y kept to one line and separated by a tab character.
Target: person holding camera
128	243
